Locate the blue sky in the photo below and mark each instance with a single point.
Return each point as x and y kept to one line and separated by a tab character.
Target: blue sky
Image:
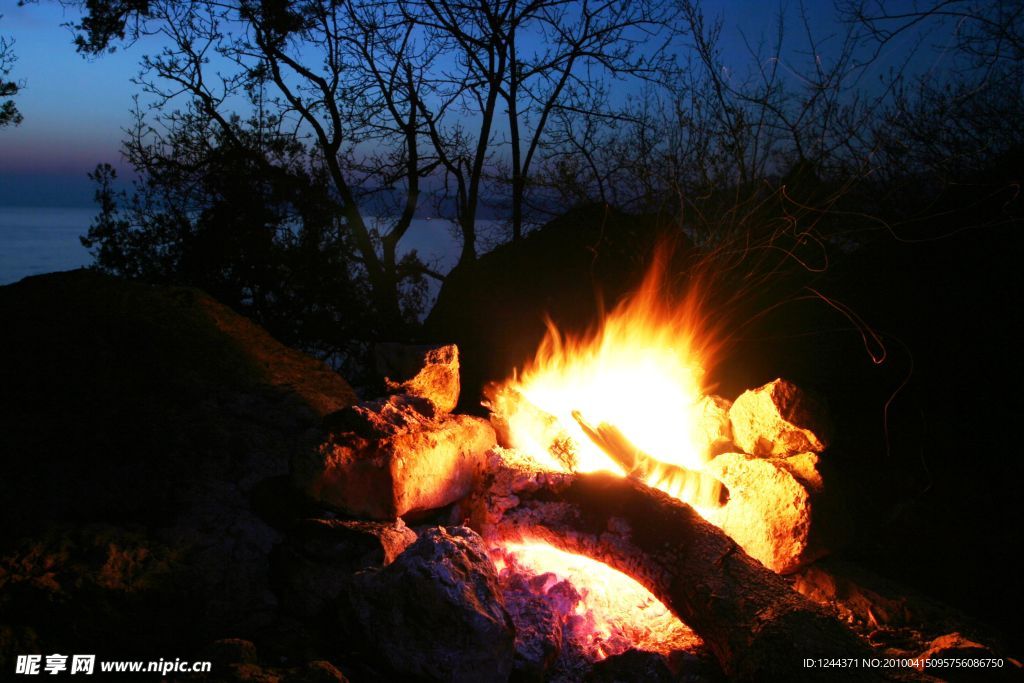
75	109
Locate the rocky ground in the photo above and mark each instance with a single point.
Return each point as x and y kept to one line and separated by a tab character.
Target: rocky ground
164	463
160	480
144	433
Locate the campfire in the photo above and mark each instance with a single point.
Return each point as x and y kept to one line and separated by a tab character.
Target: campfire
614	503
629	399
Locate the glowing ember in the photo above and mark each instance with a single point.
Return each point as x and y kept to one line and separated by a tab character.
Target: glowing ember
635	384
599	611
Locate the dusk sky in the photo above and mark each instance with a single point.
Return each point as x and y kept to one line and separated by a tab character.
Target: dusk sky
75	109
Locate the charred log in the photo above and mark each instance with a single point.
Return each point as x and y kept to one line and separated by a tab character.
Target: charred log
509	407
756	626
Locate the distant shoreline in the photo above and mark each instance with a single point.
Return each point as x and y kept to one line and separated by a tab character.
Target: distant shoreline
43	239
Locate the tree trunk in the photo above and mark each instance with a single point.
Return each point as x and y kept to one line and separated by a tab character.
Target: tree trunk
384	290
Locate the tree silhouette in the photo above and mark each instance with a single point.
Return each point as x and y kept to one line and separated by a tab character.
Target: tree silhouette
401	105
9	114
256	230
396	109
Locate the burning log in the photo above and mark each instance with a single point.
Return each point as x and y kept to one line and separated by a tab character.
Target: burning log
695	485
756	626
510	411
771	512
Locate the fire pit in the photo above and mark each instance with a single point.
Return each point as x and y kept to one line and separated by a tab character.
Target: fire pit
628	399
615	506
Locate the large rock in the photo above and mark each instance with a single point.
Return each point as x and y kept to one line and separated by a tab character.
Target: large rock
387	458
778	419
954	657
770	506
538	634
319	557
714	424
430	373
494	307
435	612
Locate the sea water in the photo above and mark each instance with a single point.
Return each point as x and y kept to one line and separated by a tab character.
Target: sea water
36	240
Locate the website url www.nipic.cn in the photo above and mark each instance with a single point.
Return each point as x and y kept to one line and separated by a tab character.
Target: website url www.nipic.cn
87	665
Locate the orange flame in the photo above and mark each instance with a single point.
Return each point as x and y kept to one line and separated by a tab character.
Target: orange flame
640	374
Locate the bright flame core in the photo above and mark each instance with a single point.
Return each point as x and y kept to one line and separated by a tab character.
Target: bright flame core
641	373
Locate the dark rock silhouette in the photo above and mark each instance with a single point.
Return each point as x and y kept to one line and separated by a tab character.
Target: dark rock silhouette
495	309
435	613
138	423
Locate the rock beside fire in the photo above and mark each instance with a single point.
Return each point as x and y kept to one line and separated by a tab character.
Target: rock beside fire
632	666
317	560
387	458
431	373
538	628
435	612
953	649
716	429
770	506
778	419
359	545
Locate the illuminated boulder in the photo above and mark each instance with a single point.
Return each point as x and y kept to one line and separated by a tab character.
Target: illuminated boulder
430	373
778	419
770	504
713	424
385	459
